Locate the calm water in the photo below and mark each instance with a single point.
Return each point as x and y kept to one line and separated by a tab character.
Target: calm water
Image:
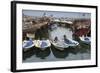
51	57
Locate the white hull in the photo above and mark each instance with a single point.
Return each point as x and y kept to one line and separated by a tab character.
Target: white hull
88	41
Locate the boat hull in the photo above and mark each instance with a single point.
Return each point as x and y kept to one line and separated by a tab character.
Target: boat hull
28	53
59	52
86	41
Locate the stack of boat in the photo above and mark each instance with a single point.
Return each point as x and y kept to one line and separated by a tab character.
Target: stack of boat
41	48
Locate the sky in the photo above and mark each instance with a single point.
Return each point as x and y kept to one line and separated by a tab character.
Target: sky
57	14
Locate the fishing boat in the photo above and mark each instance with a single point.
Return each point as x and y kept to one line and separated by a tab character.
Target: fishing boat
62	48
59	49
73	45
86	39
71	42
28	49
42	48
60	45
65	43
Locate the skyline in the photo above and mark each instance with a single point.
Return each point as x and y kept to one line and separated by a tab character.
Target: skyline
57	14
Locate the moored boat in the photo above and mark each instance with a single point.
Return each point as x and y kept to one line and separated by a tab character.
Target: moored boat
60	45
59	49
42	48
86	40
28	49
71	43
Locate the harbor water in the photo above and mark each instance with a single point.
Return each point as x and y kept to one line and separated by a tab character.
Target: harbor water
83	53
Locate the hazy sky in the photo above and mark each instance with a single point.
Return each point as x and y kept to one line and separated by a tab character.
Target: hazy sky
57	14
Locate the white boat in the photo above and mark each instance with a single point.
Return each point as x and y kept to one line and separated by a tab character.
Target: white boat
86	39
38	44
28	49
72	43
59	49
27	45
42	50
60	45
